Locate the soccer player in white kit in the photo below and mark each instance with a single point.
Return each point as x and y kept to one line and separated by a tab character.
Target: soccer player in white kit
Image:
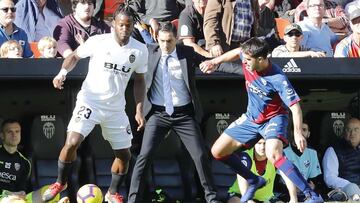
101	100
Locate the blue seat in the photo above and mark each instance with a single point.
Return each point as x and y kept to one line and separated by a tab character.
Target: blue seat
224	176
328	126
172	169
99	162
47	138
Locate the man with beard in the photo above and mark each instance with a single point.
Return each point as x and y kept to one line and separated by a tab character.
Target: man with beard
76	28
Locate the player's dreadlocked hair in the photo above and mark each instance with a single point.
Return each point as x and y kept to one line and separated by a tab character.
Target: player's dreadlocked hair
127	10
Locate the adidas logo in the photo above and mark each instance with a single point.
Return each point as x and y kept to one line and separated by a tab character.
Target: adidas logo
291	67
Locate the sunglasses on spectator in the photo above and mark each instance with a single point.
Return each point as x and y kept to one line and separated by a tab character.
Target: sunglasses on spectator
297	34
316	5
12	9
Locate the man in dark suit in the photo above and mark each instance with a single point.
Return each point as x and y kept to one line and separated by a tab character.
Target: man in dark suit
173	98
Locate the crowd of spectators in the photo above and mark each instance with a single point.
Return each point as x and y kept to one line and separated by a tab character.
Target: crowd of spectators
211	27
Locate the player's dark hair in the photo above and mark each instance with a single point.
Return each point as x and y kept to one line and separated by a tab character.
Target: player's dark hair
75	2
127	10
8	121
255	47
168	27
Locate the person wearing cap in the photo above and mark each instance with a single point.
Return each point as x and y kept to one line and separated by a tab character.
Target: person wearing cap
350	46
292	48
317	35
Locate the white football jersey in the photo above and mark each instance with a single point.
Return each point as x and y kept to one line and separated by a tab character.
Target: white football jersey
110	69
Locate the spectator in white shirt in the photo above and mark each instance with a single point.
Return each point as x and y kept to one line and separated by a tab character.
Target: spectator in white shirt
341	162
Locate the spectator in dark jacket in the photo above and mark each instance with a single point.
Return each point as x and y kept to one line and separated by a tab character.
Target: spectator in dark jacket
75	28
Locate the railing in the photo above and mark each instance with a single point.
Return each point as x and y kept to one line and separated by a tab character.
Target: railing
297	68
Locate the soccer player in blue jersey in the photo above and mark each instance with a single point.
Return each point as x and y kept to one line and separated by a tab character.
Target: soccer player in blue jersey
270	95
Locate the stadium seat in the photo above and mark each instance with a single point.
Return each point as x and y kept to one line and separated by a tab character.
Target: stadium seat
172	170
332	127
215	124
98	164
47	139
281	23
224	177
34	49
111	6
175	22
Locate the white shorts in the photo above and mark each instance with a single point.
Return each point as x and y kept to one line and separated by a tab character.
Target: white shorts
115	125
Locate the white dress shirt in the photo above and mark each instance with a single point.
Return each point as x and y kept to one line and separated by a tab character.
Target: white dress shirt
331	170
179	91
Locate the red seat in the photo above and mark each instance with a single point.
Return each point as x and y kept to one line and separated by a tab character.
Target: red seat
110	6
281	23
34	49
175	22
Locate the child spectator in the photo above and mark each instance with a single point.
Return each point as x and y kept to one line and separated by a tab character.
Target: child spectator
47	47
8	29
11	49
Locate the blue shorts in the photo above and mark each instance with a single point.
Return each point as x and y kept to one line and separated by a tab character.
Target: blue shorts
247	132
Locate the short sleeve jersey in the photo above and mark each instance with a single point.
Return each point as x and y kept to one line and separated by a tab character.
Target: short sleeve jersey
191	24
347	48
269	93
110	69
15	171
308	163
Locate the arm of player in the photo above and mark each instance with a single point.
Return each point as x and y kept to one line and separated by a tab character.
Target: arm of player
297	121
210	66
139	94
68	64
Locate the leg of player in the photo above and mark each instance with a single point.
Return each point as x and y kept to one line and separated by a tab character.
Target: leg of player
274	153
223	150
291	188
67	157
119	170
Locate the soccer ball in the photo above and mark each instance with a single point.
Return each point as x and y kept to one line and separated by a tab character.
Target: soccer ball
89	193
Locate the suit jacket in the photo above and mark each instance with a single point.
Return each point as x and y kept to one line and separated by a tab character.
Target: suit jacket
189	61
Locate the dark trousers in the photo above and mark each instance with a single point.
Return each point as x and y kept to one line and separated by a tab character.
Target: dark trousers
158	125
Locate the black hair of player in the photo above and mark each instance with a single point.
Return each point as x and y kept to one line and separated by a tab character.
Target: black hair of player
127	10
255	47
